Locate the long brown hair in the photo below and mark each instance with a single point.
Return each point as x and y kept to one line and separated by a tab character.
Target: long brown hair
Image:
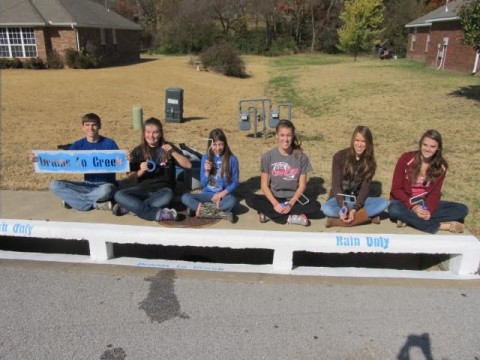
143	142
437	163
296	145
366	166
219	135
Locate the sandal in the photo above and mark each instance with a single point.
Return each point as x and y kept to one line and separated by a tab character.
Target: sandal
456	227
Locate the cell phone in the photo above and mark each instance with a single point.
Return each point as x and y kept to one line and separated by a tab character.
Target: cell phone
418	199
348	198
303	200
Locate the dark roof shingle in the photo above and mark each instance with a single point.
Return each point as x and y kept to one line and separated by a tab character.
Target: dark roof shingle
78	13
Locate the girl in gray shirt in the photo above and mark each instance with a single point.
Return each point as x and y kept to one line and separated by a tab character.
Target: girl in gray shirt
283	181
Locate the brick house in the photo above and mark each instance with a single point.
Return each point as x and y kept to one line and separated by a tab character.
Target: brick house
39	28
435	39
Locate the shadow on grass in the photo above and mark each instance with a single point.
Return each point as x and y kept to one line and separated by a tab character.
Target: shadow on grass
471	92
261	134
250	186
315	187
193	118
130	63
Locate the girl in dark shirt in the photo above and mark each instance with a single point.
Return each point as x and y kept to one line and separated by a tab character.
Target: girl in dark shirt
152	165
352	171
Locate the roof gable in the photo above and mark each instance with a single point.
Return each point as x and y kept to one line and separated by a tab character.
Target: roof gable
14	12
78	13
447	12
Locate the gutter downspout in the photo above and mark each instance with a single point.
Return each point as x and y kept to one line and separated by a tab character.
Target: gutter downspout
77	37
475	65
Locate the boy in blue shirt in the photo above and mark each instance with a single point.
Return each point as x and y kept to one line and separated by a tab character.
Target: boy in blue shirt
97	189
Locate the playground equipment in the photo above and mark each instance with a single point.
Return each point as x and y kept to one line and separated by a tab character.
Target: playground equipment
258	111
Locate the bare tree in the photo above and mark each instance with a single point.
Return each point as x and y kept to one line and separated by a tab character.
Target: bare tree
226	12
297	10
268	10
323	14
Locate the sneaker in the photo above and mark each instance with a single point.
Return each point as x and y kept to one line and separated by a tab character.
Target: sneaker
376	220
117	210
229	216
400	224
65	205
262	218
167	215
191	213
298	220
105	206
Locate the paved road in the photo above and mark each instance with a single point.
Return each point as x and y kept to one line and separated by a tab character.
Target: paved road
73	311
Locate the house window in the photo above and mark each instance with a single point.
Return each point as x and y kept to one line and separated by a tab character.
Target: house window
114	39
17	42
427	43
103	41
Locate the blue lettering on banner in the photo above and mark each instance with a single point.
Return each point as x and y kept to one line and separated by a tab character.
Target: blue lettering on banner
95	161
370	241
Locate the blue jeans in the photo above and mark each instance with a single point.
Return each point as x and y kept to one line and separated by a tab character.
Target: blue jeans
193	200
373	206
445	212
145	203
82	196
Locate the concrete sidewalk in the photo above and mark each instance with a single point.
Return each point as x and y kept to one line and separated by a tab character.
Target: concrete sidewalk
42	205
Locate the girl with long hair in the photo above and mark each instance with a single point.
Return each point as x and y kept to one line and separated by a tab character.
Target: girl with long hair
283	181
353	169
152	165
416	189
219	176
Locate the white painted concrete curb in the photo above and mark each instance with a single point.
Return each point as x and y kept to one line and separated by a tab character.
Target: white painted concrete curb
464	249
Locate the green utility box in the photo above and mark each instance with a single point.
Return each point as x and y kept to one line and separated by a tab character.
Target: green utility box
174	105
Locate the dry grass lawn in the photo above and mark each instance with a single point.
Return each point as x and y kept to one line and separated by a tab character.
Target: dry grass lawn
398	100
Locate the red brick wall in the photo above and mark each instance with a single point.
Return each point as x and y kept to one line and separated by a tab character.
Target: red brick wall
419	53
40	42
60	39
458	57
127	48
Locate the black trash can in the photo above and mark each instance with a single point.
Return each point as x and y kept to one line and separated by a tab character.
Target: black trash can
174	105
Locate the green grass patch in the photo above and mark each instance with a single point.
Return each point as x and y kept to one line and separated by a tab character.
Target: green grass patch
283	87
308	60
